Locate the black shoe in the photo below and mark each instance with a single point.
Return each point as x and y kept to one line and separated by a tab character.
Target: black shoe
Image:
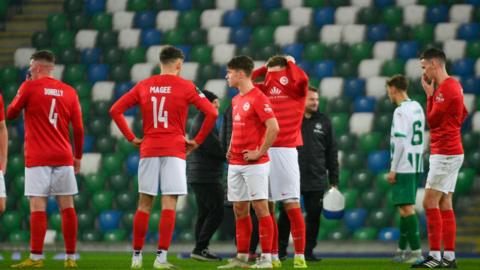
429	262
312	258
449	264
282	256
204	255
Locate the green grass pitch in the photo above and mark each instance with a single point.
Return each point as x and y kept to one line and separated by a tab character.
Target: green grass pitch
117	261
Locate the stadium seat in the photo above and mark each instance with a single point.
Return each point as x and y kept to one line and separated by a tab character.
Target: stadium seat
231	18
41	40
389	234
85	220
384	50
91	236
437	14
463	67
370	68
340	123
145	20
105	144
392	16
141	71
182	5
461	13
132	56
377	32
473	49
189	20
90	163
324	16
465	181
407	50
131	164
367	15
469	32
78	22
56	22
355	218
347	69
393	67
361	51
137	5
381	182
314	52
167	20
93	7
278	17
118	182
58	72
330	34
339	105
262	36
400	33
126	200
346	142
90	56
73	6
379	161
128	38
285	35
324	69
380	218
300	16
362	122
74	73
308	34
413	68
354	87
383	122
471	85
223	53
63	39
331	87
109	220
353	33
213	18
365	234
218	35
22	57
295	50
369	142
103	22
201	54
103	91
346	15
414	15
189	71
445	31
113	6
153	53
476	121
94	182
423	33
86	39
217	86
106	39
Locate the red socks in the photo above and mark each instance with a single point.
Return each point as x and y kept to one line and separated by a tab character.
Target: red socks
38	229
265	233
449	230
434	226
297	225
69	229
140	228
275	235
243	234
165	228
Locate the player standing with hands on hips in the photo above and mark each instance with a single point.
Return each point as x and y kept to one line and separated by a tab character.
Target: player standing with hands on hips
49	107
164	101
445	115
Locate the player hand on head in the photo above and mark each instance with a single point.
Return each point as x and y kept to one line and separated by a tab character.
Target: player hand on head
391	177
251	155
137	141
428	87
191	145
290	58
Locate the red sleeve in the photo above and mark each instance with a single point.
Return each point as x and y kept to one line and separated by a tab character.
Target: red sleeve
207	109
299	78
127	101
18	103
437	106
77	125
2	109
263	108
259	72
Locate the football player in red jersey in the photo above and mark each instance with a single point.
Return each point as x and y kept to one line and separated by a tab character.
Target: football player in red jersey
286	86
254	129
164	101
3	155
49	106
445	115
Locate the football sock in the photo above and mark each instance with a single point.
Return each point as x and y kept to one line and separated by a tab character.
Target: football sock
140	228
38	229
297	225
165	228
275	237
265	232
449	231
402	241
69	229
413	234
162	255
243	234
434	227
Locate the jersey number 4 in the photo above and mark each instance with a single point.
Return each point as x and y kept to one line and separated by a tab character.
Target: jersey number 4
53	116
159	115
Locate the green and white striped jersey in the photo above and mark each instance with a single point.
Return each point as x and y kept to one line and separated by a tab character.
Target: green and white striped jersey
408	130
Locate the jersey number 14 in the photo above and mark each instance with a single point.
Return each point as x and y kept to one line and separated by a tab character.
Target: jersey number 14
159	115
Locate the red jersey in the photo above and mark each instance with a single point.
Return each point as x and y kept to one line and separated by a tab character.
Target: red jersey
49	107
287	91
2	106
164	101
445	115
249	112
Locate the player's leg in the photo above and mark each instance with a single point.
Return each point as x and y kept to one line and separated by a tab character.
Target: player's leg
313	208
173	183
3	193
409	226
275	258
37	189
283	233
201	199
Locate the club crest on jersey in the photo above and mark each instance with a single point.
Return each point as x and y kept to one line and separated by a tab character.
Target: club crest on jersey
267	108
237	117
439	98
318	129
246	106
275	91
284	80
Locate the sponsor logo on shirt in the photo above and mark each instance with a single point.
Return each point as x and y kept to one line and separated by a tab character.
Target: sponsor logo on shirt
439	98
246	106
318	129
160	89
237	117
284	80
267	108
275	91
53	92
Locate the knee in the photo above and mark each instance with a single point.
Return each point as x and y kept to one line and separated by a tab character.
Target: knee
241	210
406	210
446	204
2	205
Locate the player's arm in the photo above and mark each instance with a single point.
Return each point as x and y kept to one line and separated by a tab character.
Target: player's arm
298	77
18	102
331	154
259	72
271	133
78	134
3	146
210	113
116	112
436	110
399	141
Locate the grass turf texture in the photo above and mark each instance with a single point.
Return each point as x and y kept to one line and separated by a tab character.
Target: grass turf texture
117	261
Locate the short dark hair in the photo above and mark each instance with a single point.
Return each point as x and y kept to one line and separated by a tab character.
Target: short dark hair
312	89
398	81
277	60
433	53
43	55
242	62
170	54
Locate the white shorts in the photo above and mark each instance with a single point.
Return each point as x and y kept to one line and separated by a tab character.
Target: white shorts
3	191
284	174
167	172
248	182
443	172
43	181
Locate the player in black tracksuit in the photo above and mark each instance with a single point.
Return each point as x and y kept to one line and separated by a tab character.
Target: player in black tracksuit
318	161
